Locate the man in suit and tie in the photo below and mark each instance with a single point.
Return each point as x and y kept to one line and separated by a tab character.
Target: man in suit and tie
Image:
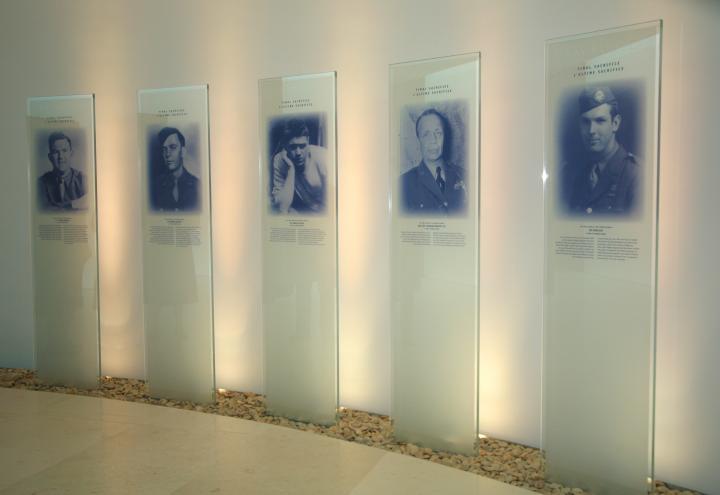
434	186
607	178
174	188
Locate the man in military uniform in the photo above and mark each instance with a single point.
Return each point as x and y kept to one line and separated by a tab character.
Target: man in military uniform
434	186
607	180
59	188
174	189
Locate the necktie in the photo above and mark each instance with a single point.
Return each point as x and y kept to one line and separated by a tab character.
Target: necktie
176	192
438	178
62	190
594	176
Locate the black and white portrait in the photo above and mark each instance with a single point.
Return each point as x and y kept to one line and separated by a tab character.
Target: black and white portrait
298	159
433	180
62	178
600	137
174	171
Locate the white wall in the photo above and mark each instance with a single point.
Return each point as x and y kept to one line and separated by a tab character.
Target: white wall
114	48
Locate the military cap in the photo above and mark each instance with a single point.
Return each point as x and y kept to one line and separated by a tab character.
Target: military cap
594	96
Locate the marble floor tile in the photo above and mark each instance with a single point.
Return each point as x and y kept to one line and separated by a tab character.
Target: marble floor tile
62	444
30	444
21	402
129	412
401	474
280	460
143	459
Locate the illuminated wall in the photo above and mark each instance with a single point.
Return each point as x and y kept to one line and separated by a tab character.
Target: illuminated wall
114	48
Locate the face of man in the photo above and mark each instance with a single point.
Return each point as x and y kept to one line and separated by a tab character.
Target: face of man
431	136
297	149
59	155
173	152
598	128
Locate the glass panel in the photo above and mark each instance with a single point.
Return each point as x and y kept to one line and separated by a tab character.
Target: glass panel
600	225
177	243
61	135
299	229
434	183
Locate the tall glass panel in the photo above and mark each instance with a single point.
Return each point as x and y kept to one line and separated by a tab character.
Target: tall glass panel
61	135
434	183
298	194
600	262
174	147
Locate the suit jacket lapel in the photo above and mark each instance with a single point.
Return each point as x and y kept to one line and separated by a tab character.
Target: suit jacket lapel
428	182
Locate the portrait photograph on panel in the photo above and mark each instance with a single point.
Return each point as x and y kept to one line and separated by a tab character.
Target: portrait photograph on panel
61	171
600	148
298	161
433	152
174	168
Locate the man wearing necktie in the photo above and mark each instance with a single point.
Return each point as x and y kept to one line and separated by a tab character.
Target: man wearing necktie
61	187
607	179
174	189
434	186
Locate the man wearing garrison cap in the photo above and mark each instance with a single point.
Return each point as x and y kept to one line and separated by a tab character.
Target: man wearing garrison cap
606	180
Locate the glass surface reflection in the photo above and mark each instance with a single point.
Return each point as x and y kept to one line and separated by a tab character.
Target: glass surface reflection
64	239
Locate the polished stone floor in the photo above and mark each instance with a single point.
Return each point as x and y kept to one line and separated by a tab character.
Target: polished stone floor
65	444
